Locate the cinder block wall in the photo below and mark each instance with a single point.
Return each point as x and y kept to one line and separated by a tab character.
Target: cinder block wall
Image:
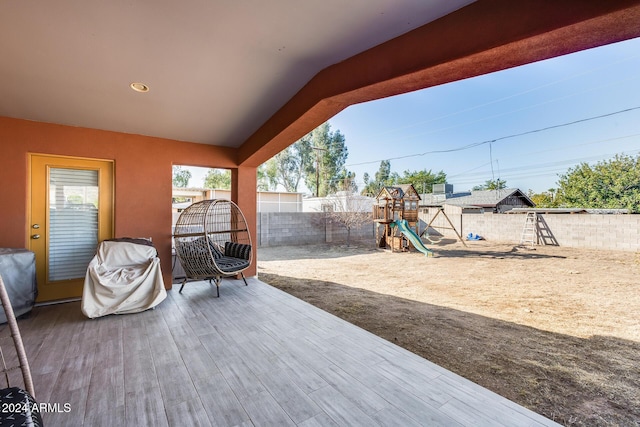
304	228
621	232
278	229
618	232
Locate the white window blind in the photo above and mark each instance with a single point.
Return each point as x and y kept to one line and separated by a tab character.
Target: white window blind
73	222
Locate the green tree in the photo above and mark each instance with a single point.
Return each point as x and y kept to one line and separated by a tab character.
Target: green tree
218	179
263	178
609	184
423	180
318	158
366	179
325	154
546	199
497	184
383	177
346	181
181	177
542	200
288	166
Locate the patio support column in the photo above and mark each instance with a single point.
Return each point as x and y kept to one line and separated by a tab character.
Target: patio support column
244	182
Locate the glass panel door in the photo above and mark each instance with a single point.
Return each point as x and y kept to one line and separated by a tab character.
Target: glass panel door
73	222
70	212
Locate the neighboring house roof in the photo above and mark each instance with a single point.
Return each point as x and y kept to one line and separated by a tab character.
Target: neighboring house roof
431	199
398	192
489	198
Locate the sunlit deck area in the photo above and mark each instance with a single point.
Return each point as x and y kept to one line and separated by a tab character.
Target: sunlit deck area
254	356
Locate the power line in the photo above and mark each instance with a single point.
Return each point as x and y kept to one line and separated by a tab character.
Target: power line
564	147
527	171
532	171
537	165
545	165
505	98
477	144
506	113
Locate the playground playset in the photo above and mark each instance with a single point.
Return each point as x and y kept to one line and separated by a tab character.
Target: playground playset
396	217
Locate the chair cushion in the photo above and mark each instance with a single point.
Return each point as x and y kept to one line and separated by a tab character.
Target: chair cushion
237	250
228	264
19	408
198	247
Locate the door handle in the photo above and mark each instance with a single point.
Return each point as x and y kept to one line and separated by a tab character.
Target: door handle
35	236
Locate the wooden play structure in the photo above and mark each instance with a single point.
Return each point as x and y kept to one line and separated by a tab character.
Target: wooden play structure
394	204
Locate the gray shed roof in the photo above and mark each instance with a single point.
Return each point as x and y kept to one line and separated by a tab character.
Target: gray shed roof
488	198
430	199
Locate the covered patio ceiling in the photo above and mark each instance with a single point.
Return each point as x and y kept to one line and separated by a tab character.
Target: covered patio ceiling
216	70
257	75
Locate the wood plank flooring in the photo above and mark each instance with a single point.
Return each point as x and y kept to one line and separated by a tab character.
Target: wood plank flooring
254	356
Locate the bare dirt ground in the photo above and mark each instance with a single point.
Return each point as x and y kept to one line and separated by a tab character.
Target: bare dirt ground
554	329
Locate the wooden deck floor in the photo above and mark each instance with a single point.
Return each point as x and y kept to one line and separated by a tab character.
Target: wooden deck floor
255	356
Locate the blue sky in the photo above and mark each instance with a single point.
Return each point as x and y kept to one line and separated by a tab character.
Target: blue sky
500	107
530	98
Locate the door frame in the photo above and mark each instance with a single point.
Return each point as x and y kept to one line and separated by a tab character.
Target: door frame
38	187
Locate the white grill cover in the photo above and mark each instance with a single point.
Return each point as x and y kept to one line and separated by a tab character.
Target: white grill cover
122	278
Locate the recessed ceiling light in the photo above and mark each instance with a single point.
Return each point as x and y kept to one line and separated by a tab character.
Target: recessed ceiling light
139	87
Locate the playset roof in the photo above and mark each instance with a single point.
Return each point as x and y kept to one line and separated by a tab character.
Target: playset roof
398	192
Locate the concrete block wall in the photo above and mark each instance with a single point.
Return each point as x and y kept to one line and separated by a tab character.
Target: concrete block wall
494	227
283	228
303	228
617	232
338	234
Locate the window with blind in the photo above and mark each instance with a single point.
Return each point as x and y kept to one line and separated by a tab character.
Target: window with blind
73	222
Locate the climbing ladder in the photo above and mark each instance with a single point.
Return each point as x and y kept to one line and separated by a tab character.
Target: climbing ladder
529	235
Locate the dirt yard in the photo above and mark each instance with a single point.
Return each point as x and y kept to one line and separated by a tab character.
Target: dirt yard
554	329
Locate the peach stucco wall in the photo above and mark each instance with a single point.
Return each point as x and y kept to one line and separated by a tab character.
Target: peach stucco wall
142	178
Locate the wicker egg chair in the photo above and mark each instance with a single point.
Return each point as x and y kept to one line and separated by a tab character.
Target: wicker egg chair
212	241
